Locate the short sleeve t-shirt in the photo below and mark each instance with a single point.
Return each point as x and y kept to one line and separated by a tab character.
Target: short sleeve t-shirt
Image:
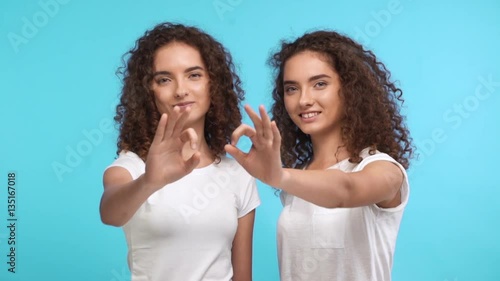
185	230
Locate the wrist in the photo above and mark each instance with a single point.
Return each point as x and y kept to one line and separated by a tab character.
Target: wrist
284	179
146	185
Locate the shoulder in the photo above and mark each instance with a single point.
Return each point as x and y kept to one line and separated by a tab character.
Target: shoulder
129	154
379	162
127	157
130	162
382	163
373	156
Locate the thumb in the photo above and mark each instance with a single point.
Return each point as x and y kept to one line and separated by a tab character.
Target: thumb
192	162
236	153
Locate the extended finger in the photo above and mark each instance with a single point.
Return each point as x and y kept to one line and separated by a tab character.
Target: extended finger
172	120
242	130
179	125
160	129
189	135
266	123
257	123
276	136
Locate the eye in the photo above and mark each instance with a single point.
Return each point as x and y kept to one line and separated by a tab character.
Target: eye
290	89
162	80
320	84
195	76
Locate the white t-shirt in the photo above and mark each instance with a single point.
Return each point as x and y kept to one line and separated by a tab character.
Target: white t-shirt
185	230
339	244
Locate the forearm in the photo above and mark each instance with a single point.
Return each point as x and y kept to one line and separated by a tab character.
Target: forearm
327	189
241	256
242	273
119	203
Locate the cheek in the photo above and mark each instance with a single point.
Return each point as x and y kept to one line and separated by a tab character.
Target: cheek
160	99
288	101
202	89
203	92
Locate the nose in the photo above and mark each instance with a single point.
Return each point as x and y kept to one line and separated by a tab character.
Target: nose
306	99
181	91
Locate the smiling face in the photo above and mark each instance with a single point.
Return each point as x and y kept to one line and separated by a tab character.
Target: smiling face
311	94
180	79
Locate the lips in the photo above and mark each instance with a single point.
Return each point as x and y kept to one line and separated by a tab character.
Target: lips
184	104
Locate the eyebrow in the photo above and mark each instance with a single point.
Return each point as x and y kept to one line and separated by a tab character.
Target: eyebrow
163	72
312	78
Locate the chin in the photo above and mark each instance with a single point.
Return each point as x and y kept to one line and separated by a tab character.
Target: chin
309	130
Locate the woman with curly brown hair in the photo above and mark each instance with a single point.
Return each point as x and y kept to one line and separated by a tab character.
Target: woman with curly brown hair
186	209
338	149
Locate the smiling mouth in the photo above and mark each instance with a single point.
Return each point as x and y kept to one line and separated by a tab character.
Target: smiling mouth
309	115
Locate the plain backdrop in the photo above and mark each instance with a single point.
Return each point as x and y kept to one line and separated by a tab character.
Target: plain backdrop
58	91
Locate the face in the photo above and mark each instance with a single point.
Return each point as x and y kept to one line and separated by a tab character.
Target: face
311	93
180	79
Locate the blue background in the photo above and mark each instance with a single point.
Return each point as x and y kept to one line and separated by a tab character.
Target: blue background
58	92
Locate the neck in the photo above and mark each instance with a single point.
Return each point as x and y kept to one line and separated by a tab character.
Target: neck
328	150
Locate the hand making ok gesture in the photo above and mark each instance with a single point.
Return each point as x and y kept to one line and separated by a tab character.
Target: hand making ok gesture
164	163
263	161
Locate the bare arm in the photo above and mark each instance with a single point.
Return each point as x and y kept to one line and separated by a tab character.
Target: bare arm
123	196
242	248
378	183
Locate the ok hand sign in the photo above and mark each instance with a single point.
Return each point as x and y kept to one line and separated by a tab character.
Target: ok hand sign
263	161
164	163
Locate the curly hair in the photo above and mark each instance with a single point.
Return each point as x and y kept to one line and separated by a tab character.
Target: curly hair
371	102
137	115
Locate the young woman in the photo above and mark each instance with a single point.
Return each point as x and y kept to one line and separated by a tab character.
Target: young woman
338	149
186	209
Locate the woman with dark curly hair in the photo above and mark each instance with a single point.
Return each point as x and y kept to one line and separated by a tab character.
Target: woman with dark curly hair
186	209
338	148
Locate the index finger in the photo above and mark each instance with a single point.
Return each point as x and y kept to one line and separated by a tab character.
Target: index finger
242	130
266	122
160	128
257	122
181	121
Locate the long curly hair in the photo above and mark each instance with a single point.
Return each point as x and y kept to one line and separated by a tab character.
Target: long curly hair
137	115
371	102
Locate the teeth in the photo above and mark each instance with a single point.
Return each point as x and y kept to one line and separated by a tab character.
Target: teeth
309	115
